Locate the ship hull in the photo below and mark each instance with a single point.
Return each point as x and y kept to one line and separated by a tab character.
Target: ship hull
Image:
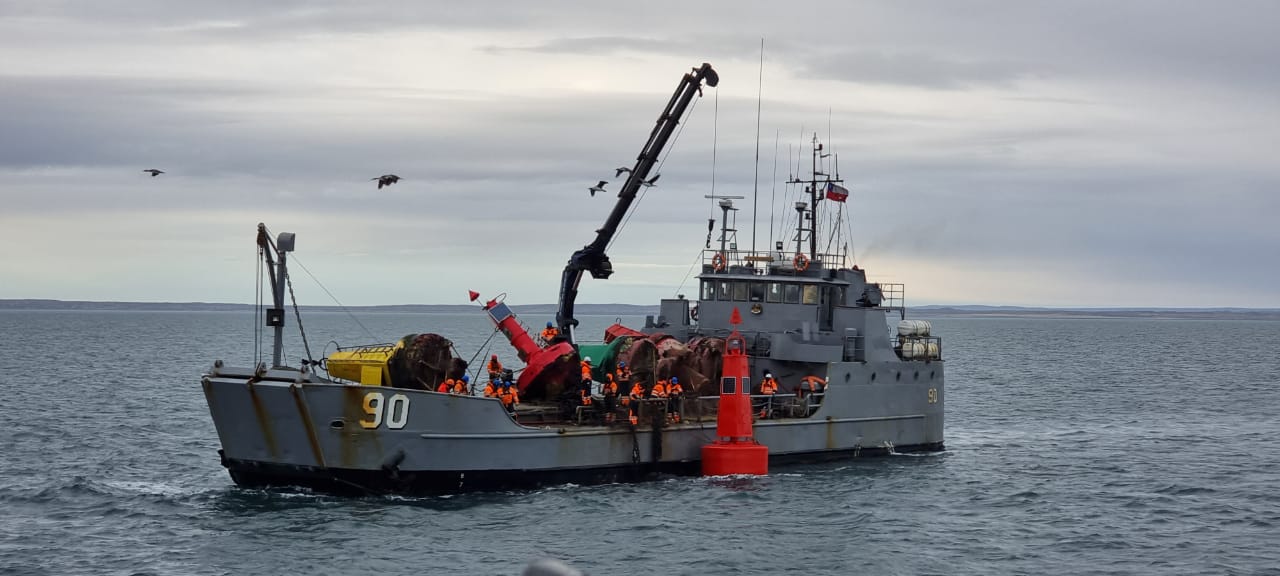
285	428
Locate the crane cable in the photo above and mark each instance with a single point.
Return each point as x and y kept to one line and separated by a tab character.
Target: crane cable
670	148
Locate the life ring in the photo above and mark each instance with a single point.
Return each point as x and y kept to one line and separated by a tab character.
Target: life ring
693	312
801	262
718	262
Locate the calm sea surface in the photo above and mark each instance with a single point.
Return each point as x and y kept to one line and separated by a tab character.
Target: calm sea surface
1073	447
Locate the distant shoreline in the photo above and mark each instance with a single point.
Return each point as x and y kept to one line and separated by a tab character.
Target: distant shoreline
930	311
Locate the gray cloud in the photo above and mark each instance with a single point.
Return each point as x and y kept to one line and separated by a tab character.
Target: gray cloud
1090	143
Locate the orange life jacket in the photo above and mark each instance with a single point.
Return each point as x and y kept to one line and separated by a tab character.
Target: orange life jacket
609	388
675	390
508	396
586	370
659	390
495	367
637	391
490	391
624	375
768	386
459	387
445	386
550	333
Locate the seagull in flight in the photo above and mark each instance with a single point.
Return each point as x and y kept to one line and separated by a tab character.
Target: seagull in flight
386	180
620	171
153	172
651	181
599	187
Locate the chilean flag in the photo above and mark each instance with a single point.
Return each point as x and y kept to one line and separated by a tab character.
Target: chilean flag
837	192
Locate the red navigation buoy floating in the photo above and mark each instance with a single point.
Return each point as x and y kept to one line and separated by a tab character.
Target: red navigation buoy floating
735	451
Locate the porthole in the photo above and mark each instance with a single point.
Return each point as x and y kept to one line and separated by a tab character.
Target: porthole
337	423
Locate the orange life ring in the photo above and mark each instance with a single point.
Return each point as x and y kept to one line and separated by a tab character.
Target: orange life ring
801	262
718	262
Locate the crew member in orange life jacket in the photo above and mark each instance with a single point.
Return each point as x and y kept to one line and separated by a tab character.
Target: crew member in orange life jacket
494	367
509	396
445	386
462	385
586	381
633	401
675	393
768	387
549	333
609	389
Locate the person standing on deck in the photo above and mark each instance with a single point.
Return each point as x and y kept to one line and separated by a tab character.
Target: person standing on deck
659	392
585	387
633	401
491	389
609	389
768	387
549	333
623	374
509	396
675	393
494	367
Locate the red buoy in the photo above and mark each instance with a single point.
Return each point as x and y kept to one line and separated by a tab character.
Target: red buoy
735	451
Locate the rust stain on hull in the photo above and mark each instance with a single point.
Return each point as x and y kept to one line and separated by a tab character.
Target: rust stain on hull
305	414
264	422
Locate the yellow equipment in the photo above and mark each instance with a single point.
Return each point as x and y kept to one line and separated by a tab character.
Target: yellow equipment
364	364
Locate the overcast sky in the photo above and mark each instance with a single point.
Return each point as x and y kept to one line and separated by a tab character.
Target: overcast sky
1026	153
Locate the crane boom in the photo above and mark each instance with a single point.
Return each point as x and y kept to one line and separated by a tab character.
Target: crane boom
592	258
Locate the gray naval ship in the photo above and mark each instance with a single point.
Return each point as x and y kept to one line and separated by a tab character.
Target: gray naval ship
368	419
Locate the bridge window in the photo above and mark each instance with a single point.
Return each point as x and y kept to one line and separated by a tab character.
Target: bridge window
810	294
791	293
708	290
774	293
740	291
722	292
757	292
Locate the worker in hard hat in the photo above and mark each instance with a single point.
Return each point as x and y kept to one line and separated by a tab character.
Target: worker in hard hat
768	387
587	379
675	395
549	333
491	389
494	367
623	374
462	385
609	389
509	396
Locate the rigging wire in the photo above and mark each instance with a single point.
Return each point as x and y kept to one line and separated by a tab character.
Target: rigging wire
298	315
334	298
696	259
670	147
773	195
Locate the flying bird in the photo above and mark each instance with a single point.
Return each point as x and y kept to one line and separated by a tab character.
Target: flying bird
153	172
386	180
651	181
599	187
620	171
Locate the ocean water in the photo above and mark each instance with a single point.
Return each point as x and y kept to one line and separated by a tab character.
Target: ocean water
1073	447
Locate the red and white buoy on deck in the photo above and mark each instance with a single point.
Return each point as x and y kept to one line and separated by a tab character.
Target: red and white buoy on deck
736	450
